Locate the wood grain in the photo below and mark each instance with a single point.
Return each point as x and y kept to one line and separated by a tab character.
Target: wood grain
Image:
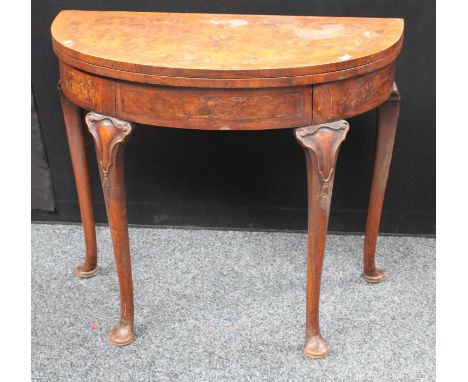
110	135
223	46
353	96
228	109
214	109
88	91
225	83
321	144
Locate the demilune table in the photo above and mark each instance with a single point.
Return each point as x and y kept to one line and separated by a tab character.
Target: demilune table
226	72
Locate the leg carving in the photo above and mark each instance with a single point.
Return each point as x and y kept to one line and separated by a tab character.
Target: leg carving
107	136
387	123
110	135
75	135
321	144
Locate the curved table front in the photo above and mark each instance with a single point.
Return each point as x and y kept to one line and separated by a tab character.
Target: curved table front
226	72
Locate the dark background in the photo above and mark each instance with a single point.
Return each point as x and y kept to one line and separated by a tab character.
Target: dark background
255	179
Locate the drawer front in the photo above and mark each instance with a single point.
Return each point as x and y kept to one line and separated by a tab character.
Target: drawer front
352	96
212	109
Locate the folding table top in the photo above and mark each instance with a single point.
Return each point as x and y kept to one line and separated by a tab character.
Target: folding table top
223	46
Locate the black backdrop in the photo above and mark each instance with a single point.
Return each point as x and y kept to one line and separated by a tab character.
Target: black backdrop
255	179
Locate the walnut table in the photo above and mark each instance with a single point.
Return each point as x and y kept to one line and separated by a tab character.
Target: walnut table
226	72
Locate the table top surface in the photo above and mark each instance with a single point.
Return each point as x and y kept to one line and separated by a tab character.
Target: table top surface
223	46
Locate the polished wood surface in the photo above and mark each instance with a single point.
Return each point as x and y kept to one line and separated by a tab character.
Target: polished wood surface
321	144
388	114
226	72
352	96
233	109
74	123
228	109
223	46
110	135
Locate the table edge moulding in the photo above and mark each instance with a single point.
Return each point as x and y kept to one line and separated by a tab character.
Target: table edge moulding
225	72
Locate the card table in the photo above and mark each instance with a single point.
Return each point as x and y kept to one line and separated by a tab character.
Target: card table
225	72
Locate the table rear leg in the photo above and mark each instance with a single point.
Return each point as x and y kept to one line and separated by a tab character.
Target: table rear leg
76	142
110	135
387	122
321	145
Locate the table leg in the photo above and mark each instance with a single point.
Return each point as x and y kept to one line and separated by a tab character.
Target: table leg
321	144
387	123
110	135
75	134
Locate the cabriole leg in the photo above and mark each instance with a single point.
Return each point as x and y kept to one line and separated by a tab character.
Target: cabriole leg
321	144
110	135
76	143
387	122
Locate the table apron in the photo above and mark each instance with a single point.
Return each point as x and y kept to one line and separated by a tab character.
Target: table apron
227	109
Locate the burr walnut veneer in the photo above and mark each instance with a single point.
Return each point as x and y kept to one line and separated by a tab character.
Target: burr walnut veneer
225	72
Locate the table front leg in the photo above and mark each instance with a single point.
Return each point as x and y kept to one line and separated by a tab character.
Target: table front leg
110	135
76	142
321	144
387	123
